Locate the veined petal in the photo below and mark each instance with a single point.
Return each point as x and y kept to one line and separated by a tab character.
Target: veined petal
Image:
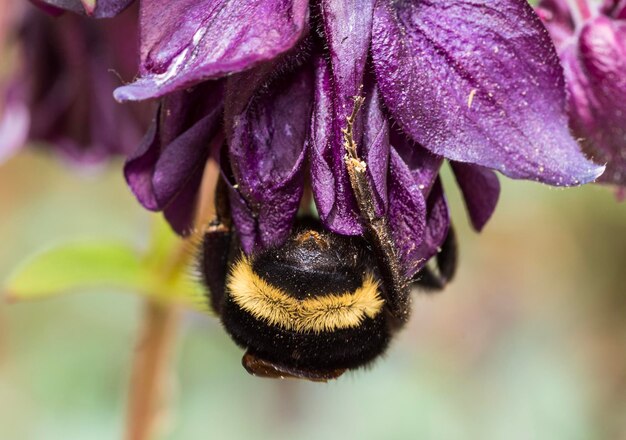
423	164
481	190
333	193
94	8
184	42
478	81
374	146
437	226
430	210
407	215
267	155
140	166
595	68
347	27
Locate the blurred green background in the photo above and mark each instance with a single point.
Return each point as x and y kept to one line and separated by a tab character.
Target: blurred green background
529	342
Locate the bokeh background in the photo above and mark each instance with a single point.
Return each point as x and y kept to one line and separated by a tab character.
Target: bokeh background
529	342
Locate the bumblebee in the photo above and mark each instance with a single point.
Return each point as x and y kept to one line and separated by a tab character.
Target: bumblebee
322	303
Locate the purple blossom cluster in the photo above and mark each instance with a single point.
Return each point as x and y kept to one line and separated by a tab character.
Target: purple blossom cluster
265	86
59	94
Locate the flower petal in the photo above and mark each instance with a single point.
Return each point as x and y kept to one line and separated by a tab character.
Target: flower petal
478	81
423	164
94	8
267	154
407	215
180	213
166	170
334	198
188	41
424	168
140	165
595	70
348	28
481	190
437	226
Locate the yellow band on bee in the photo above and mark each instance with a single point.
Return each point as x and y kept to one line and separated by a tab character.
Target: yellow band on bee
317	314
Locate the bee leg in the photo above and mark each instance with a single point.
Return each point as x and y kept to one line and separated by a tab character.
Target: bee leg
397	292
446	261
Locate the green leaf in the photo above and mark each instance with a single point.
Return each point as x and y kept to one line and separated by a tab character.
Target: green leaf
77	266
80	266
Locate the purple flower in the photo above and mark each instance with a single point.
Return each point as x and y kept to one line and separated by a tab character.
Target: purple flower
60	96
476	82
591	43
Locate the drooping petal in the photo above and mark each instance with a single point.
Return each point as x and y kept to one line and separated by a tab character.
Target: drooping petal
267	154
479	82
595	68
424	171
180	213
481	190
185	42
347	27
374	146
334	198
140	166
437	226
407	215
423	164
166	169
94	8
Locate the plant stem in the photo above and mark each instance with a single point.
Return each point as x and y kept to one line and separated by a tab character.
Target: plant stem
151	365
150	370
147	399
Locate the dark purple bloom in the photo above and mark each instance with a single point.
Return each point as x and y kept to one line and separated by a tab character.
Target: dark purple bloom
475	82
60	95
592	45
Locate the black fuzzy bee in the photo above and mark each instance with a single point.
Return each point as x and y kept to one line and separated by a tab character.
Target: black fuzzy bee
322	303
